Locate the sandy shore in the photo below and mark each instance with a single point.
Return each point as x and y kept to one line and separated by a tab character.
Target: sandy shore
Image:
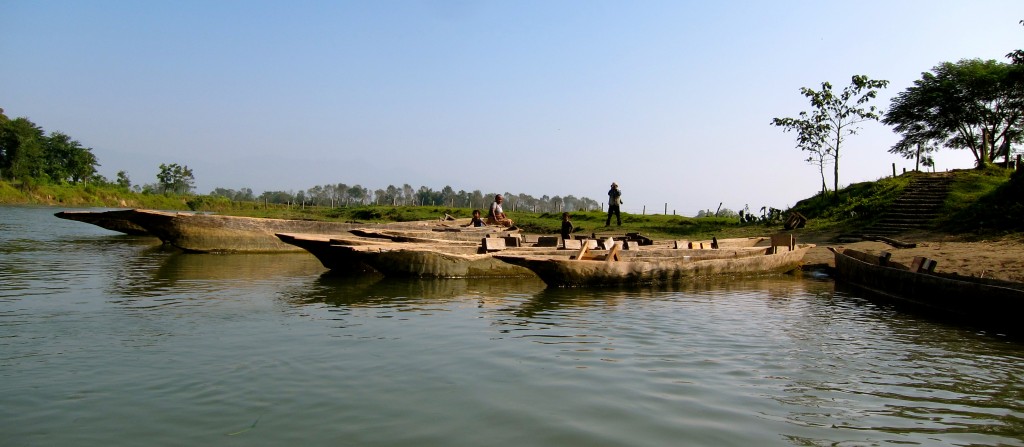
1001	258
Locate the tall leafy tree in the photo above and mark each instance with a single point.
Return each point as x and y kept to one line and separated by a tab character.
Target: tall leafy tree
175	178
66	160
123	180
833	118
973	104
21	149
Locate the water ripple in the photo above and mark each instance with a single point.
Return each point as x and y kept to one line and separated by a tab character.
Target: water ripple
107	340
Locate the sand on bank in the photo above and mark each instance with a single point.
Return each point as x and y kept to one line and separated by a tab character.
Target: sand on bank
997	257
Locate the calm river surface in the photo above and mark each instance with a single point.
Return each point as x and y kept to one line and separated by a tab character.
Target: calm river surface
113	340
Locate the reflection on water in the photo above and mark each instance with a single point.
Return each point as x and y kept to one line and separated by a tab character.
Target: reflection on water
109	340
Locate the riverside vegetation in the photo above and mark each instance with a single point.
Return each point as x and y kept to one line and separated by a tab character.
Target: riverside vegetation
982	202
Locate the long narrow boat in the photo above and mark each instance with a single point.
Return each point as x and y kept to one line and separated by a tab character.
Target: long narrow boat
396	253
624	268
114	220
984	302
416	257
201	233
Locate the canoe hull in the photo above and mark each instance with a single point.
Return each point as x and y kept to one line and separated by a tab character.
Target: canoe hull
117	220
436	262
990	303
433	259
563	272
202	233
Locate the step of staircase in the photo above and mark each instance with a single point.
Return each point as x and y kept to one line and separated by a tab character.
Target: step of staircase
916	208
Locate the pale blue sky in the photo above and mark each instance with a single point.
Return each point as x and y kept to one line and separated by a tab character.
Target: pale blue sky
671	99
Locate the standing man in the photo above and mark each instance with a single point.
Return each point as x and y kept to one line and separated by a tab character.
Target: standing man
497	216
614	200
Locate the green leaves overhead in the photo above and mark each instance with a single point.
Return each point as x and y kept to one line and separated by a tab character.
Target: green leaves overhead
973	104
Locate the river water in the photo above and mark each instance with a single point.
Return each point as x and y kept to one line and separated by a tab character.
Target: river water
108	339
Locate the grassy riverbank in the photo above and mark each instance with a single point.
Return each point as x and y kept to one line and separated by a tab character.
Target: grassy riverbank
981	201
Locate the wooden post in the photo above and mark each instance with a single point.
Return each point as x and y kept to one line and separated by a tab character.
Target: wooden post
666	208
894	169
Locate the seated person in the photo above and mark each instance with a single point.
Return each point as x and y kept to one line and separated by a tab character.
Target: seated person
497	215
476	221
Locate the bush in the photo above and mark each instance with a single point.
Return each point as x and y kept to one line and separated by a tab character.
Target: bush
209	203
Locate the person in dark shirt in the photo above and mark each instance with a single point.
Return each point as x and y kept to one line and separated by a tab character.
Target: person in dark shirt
566	227
614	200
476	221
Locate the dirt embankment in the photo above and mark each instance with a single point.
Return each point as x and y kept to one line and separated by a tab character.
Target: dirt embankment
997	257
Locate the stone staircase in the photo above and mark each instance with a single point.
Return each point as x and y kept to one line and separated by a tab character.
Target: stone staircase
916	208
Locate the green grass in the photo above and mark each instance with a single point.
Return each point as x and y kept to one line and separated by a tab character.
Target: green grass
986	202
855	206
76	195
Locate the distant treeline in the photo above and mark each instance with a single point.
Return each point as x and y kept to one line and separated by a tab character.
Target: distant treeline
344	195
30	157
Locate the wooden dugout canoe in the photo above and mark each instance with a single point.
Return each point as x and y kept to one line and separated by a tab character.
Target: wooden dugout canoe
424	258
984	302
202	233
396	253
660	267
115	220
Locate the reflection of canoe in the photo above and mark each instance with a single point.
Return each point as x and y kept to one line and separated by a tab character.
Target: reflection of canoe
986	302
619	268
434	258
117	220
216	233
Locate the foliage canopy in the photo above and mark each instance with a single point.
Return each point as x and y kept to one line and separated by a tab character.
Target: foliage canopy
973	104
833	118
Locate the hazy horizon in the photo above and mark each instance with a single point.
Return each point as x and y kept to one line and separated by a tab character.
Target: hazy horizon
672	100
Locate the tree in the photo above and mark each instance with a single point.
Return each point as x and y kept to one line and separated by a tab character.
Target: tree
21	148
392	195
358	194
1016	56
811	134
408	194
972	104
277	197
447	194
833	118
175	178
123	180
242	195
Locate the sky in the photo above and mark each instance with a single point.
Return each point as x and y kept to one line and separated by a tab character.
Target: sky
672	100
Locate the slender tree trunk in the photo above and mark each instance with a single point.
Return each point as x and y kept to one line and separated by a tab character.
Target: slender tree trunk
983	160
835	166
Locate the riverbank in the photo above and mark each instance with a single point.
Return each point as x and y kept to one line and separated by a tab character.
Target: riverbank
1000	257
993	257
81	196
